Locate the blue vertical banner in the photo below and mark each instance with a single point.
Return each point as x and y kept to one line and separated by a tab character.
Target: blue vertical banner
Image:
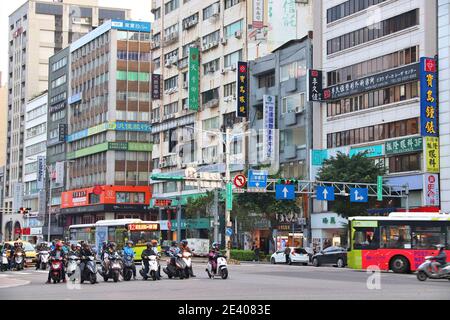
429	125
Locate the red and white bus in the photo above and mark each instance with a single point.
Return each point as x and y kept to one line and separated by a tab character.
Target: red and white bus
399	242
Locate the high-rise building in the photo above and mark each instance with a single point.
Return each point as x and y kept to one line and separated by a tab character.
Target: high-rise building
108	142
3	121
371	53
37	30
443	39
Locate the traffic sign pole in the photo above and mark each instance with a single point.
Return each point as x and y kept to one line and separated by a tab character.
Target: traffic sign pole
380	188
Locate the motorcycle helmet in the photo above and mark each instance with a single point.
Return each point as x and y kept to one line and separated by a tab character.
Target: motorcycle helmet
130	242
78	245
149	245
58	246
216	245
73	247
184	243
174	243
154	242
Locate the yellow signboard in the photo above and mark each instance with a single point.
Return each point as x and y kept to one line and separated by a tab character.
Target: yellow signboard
432	154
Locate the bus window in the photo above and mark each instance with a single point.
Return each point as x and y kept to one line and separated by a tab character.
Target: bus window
427	237
395	237
448	238
366	238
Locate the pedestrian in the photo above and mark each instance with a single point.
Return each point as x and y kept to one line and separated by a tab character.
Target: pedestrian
255	249
286	253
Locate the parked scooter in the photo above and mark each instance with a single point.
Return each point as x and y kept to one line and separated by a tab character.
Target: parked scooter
128	263
56	265
4	262
114	270
178	270
425	270
89	272
153	267
222	269
43	259
19	260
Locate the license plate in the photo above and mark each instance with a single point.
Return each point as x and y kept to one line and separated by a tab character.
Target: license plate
29	260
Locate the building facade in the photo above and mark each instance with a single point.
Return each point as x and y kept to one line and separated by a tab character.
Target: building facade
108	149
37	30
443	20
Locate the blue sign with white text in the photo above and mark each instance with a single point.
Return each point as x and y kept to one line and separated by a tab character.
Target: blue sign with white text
325	193
129	25
257	178
359	195
285	192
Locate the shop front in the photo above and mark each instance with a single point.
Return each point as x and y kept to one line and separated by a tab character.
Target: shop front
328	229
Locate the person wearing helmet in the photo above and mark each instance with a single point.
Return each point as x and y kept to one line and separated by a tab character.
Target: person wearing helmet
128	251
58	253
213	254
151	250
440	259
185	248
155	246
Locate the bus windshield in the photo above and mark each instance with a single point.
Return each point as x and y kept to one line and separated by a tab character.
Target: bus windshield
142	237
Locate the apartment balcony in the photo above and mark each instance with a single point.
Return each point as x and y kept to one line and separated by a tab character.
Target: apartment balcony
171	38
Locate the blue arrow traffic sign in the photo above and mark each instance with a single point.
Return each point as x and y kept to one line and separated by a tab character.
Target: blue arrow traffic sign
229	232
359	195
257	179
285	192
325	193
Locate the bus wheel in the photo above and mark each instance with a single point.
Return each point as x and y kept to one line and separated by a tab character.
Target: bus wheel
399	264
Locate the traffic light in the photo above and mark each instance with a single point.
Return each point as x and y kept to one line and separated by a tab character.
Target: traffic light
24	210
287	181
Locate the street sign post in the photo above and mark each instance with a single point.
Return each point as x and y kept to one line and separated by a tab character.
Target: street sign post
325	193
257	178
380	188
240	181
229	196
285	192
360	195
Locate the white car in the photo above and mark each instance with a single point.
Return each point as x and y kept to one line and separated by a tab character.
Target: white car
296	255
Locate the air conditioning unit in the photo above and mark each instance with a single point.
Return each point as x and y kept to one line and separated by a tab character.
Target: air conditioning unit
224	71
224	41
299	109
233	67
238	34
227	99
168	64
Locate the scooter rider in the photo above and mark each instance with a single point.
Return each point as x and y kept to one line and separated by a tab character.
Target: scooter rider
185	248
213	254
84	251
439	260
7	249
173	251
110	250
58	253
128	251
150	251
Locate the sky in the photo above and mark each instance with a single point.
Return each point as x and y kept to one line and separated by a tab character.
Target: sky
140	11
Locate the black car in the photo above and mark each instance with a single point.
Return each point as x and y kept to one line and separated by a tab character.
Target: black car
331	255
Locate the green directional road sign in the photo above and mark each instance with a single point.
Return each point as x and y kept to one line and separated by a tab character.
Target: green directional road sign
380	188
229	196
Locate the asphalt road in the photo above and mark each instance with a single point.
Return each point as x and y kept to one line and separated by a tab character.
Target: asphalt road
246	282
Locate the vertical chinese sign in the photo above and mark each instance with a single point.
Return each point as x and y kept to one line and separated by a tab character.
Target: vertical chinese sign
314	85
242	90
194	78
156	86
258	14
269	127
429	128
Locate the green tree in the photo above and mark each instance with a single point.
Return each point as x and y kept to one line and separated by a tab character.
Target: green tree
358	169
200	207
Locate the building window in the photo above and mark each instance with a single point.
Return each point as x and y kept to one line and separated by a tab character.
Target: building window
212	123
232	29
171	83
229	89
190	21
213	38
212	66
384	28
293	70
133	76
157	13
210	95
231	3
293	103
171	108
59	82
171	5
232	58
266	80
211	10
405	163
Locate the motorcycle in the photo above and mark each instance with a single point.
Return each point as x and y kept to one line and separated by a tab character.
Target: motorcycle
153	267
178	270
56	266
222	269
115	268
128	263
425	270
43	259
89	272
4	263
19	260
187	260
72	265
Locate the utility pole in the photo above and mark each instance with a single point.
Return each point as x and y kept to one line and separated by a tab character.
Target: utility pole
179	220
227	180
216	215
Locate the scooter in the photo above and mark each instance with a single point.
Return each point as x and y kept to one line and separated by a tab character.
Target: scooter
43	259
187	260
4	263
222	269
89	272
128	263
56	265
425	270
72	266
115	268
19	260
153	268
178	270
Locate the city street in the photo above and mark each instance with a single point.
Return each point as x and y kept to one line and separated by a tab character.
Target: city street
246	281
